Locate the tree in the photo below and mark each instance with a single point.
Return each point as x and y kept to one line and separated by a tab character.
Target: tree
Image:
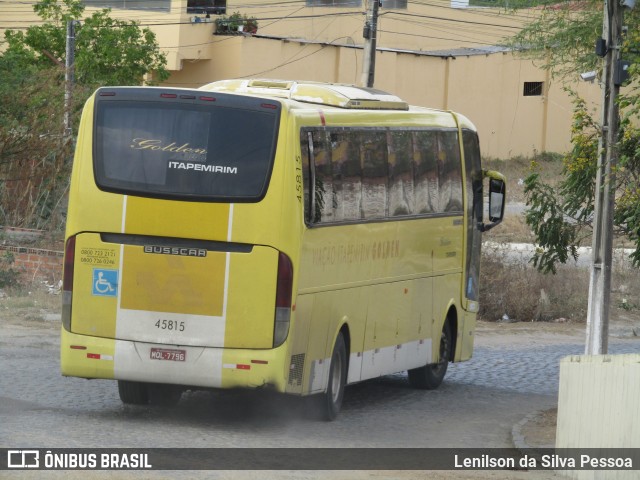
563	41
33	170
34	157
108	51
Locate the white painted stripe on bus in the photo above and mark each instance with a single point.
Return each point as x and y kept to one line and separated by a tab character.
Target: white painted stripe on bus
374	363
227	264
201	367
393	358
230	226
319	375
119	287
355	367
124	213
99	356
121	262
140	325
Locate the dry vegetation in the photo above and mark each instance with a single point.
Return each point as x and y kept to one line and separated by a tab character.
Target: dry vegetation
517	168
518	290
35	304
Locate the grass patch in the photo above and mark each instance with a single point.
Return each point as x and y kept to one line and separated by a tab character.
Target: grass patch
32	302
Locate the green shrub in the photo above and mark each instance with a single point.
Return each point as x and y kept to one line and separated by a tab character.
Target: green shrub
9	277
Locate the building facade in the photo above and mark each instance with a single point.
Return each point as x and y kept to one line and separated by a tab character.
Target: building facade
437	54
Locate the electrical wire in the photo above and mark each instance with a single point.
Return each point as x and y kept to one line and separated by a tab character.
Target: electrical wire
430	21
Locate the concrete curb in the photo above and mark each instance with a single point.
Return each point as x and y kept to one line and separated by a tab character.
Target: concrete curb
516	432
518	438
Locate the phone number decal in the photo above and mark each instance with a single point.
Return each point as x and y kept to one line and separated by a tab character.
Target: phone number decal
98	256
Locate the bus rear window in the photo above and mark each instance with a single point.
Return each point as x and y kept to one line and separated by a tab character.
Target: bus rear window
188	151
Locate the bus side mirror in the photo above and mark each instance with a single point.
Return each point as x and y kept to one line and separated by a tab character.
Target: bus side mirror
496	200
497	191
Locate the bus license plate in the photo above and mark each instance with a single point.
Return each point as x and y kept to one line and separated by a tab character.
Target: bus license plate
168	354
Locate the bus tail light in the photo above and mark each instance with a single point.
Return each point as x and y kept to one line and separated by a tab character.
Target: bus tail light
67	282
283	300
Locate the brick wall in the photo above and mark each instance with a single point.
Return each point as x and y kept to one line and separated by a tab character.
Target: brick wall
36	263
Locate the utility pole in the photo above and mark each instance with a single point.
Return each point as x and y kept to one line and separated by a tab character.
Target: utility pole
370	35
602	242
69	75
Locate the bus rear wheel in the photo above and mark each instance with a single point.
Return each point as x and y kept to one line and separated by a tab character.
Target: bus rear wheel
430	376
133	393
164	395
331	400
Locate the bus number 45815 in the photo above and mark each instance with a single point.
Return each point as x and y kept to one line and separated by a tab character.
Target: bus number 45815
170	325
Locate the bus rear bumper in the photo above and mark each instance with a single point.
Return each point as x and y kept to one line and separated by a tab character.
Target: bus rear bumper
94	357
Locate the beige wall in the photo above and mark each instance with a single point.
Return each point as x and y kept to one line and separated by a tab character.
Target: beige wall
328	47
486	88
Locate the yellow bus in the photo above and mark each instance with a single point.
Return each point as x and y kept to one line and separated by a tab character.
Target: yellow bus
296	236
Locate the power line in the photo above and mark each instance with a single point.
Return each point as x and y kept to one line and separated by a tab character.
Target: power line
455	20
432	22
436	38
486	12
437	26
152	22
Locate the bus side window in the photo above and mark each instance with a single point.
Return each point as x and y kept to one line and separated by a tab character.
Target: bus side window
306	173
323	208
426	173
347	175
474	212
401	195
375	174
449	172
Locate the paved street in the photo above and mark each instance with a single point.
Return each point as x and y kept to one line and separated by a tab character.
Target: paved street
513	373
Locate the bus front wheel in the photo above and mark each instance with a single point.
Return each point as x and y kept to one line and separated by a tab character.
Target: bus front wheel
331	400
430	376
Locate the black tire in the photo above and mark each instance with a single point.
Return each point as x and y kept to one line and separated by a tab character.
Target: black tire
331	400
430	376
164	395
133	393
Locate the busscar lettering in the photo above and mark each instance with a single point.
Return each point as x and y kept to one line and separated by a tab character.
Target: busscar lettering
182	251
199	167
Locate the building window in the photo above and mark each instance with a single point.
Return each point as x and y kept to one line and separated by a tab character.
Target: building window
334	3
394	4
533	89
151	5
207	6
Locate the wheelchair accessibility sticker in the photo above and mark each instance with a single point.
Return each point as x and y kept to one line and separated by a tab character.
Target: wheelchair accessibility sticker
105	282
